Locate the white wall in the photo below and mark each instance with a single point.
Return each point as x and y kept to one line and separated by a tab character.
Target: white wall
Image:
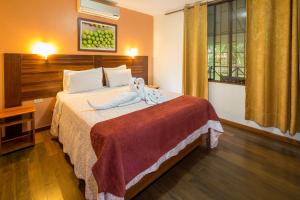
227	99
229	102
168	45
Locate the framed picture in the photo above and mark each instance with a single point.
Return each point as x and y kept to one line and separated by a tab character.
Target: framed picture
96	36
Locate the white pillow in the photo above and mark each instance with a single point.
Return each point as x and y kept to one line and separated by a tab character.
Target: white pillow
119	77
80	81
122	67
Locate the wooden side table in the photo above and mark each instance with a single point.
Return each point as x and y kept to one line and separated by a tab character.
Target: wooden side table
9	117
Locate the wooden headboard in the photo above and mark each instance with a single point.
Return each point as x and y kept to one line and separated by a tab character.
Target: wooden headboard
29	76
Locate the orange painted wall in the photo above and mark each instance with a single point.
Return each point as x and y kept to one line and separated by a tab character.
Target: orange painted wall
25	22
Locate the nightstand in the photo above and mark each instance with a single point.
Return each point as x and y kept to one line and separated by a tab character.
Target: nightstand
153	86
14	116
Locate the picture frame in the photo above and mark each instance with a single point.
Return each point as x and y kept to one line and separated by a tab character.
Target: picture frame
97	36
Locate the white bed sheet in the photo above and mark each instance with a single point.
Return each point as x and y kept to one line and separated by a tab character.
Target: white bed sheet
73	119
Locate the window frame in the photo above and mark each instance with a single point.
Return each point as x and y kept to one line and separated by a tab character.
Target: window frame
228	79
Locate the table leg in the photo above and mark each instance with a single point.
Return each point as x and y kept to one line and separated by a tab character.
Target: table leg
33	127
2	130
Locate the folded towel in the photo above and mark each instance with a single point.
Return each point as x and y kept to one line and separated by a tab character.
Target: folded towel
150	95
153	96
122	99
136	100
137	92
137	85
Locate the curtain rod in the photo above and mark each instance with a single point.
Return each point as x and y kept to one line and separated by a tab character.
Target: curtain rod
208	2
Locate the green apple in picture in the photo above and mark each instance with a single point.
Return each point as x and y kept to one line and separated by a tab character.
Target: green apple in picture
86	32
90	42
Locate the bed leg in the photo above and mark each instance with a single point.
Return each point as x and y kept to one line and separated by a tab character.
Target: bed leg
208	139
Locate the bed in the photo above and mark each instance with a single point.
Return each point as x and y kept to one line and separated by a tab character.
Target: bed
73	119
31	77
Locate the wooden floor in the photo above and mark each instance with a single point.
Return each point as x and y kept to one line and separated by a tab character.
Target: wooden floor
244	166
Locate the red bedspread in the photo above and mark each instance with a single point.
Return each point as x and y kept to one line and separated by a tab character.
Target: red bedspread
127	145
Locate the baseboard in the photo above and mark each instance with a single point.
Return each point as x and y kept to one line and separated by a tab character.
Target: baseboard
261	132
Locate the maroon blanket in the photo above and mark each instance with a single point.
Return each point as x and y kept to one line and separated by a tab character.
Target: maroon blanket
127	145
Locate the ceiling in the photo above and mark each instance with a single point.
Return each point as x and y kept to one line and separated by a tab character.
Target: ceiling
154	7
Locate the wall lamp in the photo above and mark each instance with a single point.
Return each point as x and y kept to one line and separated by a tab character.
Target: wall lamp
132	52
43	49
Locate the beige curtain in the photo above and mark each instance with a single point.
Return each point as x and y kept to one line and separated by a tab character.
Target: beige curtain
272	83
195	67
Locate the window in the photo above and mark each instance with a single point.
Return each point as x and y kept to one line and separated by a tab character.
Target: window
226	41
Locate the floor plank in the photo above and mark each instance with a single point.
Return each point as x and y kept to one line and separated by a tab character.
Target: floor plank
245	166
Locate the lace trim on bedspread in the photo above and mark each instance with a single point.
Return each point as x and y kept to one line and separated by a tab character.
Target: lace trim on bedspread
56	118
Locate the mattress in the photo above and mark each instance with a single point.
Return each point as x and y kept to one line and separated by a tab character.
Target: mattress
73	119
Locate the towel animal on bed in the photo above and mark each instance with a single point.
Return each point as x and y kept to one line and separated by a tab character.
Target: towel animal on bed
137	92
150	95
